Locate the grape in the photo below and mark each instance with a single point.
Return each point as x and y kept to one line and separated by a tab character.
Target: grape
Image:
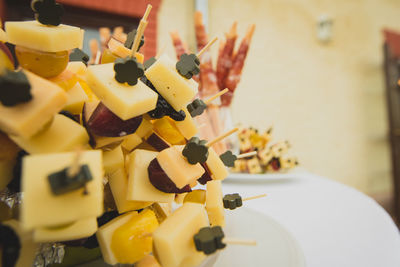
44	64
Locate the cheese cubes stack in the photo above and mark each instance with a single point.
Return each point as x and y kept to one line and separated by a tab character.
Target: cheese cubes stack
51	136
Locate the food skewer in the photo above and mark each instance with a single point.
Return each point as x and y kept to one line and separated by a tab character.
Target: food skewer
140	30
219	138
246	155
233	201
237	241
98	57
198	106
254	197
206	47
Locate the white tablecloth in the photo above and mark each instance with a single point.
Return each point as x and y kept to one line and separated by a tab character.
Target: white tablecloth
335	225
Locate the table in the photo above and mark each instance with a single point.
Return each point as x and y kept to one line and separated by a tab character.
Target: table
334	224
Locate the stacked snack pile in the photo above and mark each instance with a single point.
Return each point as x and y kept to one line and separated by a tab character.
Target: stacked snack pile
93	157
269	158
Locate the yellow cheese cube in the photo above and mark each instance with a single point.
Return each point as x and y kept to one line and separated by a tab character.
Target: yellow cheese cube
3	36
187	127
177	168
76	99
131	141
173	240
132	241
66	80
144	128
214	203
216	166
62	135
162	210
28	118
34	35
63	208
76	230
119	188
148	261
113	160
78	68
139	186
117	48
123	100
176	89
105	233
107	142
29	247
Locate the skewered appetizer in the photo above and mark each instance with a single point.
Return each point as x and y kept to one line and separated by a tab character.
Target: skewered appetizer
101	152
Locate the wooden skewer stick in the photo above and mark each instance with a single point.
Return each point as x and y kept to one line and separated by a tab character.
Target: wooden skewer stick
219	138
140	30
254	197
236	241
216	95
246	155
74	168
98	56
206	47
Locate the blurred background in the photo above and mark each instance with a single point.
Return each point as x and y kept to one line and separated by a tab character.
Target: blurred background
316	70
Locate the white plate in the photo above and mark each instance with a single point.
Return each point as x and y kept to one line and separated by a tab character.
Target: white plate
264	176
276	247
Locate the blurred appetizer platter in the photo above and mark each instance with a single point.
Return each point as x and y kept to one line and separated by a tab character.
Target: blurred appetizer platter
95	149
268	158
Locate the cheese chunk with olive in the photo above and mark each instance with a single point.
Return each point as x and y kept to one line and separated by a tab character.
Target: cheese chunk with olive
64	208
176	89
173	240
177	168
28	118
123	100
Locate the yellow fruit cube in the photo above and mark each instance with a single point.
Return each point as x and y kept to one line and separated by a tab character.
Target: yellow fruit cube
133	241
167	130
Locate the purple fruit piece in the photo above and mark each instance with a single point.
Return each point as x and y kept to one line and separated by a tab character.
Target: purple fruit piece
85	115
104	122
157	142
206	176
160	180
7	51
